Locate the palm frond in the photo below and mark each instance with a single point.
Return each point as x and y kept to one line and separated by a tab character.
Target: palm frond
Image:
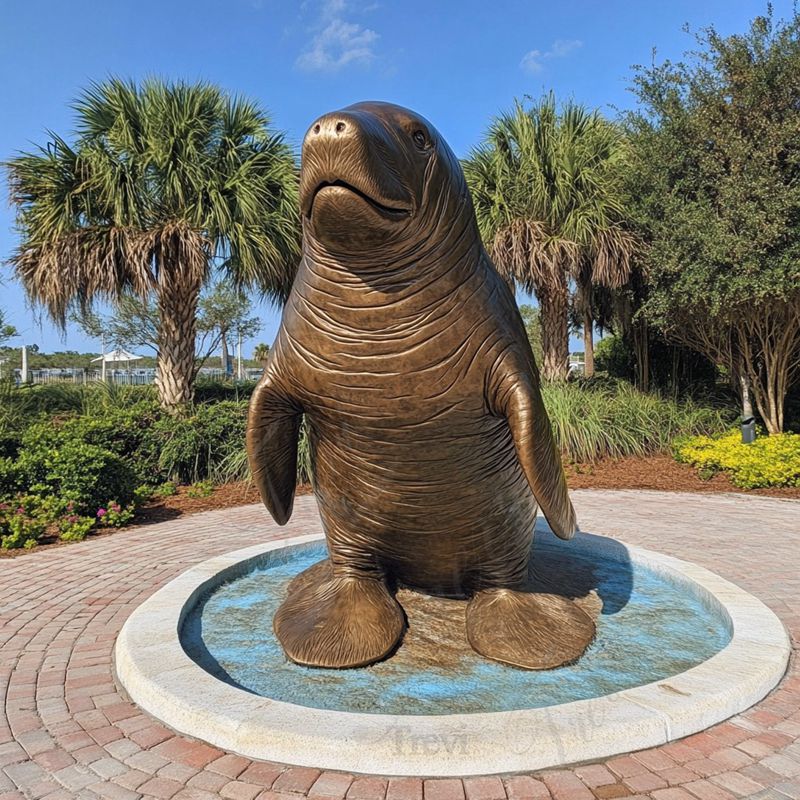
546	190
160	176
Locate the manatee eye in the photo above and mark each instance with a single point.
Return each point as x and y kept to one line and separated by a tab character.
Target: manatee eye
420	140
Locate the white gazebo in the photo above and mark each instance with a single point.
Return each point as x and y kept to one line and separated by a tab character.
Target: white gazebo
116	357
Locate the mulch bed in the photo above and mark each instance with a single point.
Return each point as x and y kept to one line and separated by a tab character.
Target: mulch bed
659	472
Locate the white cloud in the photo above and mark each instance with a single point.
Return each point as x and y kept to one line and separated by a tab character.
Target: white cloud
533	60
337	41
333	8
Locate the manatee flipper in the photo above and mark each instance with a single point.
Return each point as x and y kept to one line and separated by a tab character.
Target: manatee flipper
527	630
273	428
338	622
517	397
317	573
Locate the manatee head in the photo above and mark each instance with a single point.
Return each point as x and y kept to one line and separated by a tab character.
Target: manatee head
376	175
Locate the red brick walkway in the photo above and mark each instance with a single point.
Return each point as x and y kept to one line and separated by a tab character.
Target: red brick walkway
67	731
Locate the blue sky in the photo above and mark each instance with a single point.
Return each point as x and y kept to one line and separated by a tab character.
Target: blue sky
458	62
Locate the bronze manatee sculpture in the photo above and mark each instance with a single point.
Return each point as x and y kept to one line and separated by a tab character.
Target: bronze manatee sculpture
432	448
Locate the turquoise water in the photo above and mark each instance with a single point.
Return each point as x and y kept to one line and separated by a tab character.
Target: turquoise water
649	629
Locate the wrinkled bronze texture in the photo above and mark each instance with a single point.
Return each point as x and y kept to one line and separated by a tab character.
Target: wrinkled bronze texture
431	446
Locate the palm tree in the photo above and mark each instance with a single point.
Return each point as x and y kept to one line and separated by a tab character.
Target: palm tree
261	352
549	207
165	185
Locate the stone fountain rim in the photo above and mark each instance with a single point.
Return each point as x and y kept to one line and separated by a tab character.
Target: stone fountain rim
161	678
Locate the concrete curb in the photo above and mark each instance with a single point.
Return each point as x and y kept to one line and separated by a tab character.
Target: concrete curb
154	669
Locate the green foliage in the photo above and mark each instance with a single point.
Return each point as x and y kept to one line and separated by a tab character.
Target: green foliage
120	430
18	406
158	158
595	420
75	528
715	187
613	356
547	190
305	456
6	331
193	447
768	461
716	171
533	328
114	515
26	518
166	489
215	391
557	171
200	489
10	477
22	522
235	466
74	470
135	323
164	185
224	310
127	421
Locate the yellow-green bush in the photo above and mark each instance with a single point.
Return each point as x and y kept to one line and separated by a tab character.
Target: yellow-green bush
768	461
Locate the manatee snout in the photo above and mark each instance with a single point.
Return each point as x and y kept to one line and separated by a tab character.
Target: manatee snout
362	176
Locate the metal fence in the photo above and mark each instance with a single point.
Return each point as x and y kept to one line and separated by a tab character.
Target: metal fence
126	377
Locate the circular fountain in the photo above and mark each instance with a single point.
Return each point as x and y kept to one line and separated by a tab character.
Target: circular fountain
677	649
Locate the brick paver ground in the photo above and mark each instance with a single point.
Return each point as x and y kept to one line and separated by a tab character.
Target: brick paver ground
68	731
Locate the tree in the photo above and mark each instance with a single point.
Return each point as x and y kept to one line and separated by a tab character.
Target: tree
6	331
225	310
135	322
261	352
165	185
716	179
533	327
547	192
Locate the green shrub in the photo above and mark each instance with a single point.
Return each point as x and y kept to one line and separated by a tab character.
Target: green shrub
10	478
23	522
73	470
166	489
200	489
768	461
600	420
194	447
206	391
114	515
75	528
614	356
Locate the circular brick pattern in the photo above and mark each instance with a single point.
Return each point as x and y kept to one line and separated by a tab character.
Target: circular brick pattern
68	731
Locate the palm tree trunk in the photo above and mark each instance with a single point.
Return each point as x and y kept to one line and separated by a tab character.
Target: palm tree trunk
178	294
555	333
588	343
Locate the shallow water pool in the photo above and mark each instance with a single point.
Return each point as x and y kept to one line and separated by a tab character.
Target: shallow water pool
649	629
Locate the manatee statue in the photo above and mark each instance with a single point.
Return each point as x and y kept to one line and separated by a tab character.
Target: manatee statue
407	355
